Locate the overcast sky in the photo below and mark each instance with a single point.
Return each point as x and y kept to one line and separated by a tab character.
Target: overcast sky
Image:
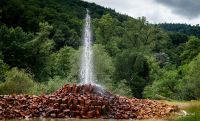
157	11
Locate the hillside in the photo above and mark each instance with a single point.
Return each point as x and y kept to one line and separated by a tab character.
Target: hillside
63	20
40	47
182	28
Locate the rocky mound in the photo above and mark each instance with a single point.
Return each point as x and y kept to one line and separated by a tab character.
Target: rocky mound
81	101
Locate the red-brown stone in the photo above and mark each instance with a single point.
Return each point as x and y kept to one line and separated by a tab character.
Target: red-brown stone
81	101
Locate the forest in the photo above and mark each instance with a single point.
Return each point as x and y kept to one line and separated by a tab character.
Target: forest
41	43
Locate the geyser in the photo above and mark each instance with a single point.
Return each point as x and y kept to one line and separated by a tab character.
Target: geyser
86	71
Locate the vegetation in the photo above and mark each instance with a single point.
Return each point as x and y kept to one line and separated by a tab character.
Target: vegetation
40	46
17	82
182	28
191	107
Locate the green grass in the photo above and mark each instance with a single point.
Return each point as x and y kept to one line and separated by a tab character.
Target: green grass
192	108
194	114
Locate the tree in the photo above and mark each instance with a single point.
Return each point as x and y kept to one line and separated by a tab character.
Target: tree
103	65
189	30
140	34
12	45
166	86
105	28
133	67
58	64
39	50
191	81
192	48
178	38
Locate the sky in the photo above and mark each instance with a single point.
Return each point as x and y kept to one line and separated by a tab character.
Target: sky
157	11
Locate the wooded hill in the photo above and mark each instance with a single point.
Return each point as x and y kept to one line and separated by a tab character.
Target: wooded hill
40	47
189	30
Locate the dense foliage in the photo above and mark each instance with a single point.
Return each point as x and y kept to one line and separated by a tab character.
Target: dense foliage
40	47
190	30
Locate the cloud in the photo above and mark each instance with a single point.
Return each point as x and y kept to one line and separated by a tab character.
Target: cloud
156	11
187	8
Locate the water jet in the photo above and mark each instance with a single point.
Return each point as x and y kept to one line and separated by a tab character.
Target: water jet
86	71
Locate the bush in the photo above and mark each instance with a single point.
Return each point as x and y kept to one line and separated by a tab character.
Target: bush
38	89
165	86
48	87
55	84
121	88
3	70
17	82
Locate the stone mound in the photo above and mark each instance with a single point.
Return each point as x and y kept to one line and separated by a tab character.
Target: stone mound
81	101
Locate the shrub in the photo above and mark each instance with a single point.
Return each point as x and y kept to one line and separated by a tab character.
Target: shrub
55	84
38	89
121	88
17	82
3	70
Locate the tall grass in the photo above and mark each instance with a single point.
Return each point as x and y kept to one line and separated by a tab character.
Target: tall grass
193	111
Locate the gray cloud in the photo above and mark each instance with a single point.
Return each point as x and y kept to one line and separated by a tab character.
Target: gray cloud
157	11
187	8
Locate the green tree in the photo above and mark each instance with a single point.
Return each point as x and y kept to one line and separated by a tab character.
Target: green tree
105	28
166	85
191	80
66	36
108	32
103	65
133	67
178	38
140	35
39	50
191	50
58	64
12	45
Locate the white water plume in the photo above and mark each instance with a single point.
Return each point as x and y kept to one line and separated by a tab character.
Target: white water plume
86	71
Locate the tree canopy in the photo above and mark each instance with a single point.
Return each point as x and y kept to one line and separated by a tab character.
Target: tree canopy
41	43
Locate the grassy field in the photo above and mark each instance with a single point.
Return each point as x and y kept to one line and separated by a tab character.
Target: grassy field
192	108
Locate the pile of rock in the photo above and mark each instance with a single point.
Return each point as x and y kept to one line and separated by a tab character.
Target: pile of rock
81	101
